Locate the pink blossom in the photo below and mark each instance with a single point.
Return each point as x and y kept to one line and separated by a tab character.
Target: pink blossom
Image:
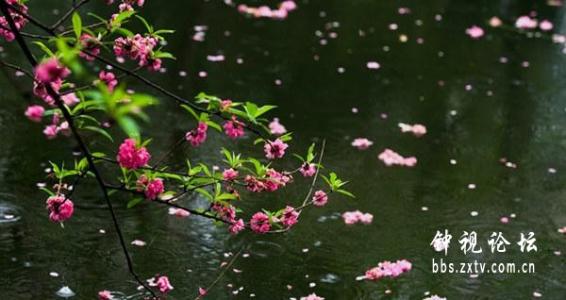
105	295
163	284
388	269
40	90
225	211
35	112
60	208
181	213
50	131
197	136
320	198
202	292
230	174
234	128
19	20
290	217
288	5
526	22
276	128
90	46
109	79
225	104
50	71
236	226
308	170
353	217
418	130
546	25
391	158
138	48
475	32
362	143
312	296
495	22
260	223
70	99
154	188
132	157
275	149
254	185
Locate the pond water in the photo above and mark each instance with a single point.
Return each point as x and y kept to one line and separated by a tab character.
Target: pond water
478	108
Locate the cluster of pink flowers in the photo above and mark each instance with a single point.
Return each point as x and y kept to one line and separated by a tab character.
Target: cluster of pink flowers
418	130
228	214
109	79
260	223
392	158
234	128
127	5
265	12
138	48
230	174
57	126
90	46
312	296
19	20
275	149
60	208
353	217
319	198
361	143
274	180
131	156
236	226
151	188
105	295
197	136
527	22
51	72
475	32
277	128
290	217
388	269
161	282
271	183
308	170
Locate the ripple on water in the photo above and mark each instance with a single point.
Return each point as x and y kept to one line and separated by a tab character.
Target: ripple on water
9	213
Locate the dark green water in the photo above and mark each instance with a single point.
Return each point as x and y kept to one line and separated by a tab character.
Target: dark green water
524	120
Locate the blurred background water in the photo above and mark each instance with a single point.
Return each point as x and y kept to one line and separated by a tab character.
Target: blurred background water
514	110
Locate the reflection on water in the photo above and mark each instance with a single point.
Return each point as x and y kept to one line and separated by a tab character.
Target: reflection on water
478	100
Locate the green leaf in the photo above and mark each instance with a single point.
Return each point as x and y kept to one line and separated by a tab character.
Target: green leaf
77	25
99	130
134	202
191	111
344	192
130	127
45	49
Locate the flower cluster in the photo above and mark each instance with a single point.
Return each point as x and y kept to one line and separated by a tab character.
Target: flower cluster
90	46
265	12
234	128
275	149
418	130
353	217
388	269
271	183
151	188
161	282
60	208
197	136
138	48
130	156
109	79
392	158
260	223
19	20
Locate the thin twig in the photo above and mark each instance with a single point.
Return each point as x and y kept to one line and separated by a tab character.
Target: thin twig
68	14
